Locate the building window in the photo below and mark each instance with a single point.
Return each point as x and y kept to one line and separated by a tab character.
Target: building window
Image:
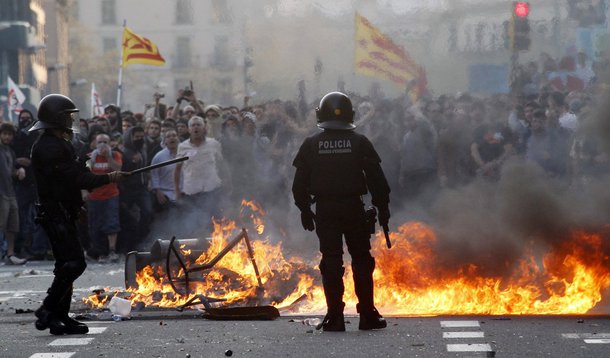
183	52
74	10
184	12
108	12
222	57
109	44
221	12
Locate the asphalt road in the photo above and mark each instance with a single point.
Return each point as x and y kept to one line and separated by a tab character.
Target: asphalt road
187	334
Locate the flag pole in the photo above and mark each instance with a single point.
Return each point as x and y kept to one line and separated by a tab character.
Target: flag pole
120	87
93	101
8	102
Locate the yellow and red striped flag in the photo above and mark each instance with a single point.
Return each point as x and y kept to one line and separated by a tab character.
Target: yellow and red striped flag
140	50
377	56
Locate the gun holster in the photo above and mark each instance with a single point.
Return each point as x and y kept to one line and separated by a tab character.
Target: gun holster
41	215
370	217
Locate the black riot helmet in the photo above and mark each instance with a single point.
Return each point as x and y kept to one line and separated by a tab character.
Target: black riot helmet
335	112
57	111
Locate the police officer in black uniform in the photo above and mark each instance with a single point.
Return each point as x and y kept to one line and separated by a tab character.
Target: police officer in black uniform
334	169
59	178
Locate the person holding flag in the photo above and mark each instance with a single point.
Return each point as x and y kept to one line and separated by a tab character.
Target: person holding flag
15	98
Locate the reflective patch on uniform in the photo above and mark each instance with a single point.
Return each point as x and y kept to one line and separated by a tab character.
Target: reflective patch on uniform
335	146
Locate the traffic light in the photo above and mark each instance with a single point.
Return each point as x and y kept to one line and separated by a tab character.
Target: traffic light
521	27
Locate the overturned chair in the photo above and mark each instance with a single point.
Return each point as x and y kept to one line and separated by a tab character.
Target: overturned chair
180	253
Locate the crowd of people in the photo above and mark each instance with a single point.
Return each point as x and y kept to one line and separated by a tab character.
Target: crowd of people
246	152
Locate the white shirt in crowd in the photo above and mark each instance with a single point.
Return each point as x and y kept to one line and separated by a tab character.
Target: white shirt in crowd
200	171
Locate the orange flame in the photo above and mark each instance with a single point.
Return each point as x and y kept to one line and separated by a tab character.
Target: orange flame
409	280
257	215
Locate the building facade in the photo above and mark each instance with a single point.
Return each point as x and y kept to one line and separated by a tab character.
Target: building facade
264	48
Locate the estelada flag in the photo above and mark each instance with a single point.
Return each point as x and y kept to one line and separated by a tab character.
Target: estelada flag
140	50
376	55
15	98
97	109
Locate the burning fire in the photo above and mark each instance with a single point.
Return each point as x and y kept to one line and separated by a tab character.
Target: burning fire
409	280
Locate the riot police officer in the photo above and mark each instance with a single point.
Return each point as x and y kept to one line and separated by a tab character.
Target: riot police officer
59	178
334	168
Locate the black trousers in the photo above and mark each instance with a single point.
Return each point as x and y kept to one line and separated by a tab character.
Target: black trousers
335	219
69	261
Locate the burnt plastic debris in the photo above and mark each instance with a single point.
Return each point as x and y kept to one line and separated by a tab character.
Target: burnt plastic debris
95	316
314	322
20	310
118	318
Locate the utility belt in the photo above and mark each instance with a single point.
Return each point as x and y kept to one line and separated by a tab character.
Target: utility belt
52	212
370	213
344	199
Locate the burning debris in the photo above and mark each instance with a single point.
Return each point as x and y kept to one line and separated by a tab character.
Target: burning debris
220	272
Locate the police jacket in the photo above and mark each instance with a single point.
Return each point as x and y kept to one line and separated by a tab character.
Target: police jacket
60	175
337	164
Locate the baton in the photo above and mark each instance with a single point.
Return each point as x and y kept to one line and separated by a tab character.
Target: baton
158	165
386	232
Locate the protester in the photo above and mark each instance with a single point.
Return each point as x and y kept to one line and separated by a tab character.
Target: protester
9	211
162	179
213	116
25	189
152	140
103	203
200	180
135	202
418	165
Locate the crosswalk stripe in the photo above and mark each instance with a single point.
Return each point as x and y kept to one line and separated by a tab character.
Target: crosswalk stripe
458	324
463	334
469	348
597	341
71	341
53	355
96	330
585	335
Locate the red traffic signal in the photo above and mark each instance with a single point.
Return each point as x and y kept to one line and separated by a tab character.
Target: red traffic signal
522	9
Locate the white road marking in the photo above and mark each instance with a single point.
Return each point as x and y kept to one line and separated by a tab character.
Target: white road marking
598	341
53	355
457	324
585	335
96	330
463	334
23	292
71	341
469	348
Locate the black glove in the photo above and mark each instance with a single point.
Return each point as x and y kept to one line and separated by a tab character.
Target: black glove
307	220
383	215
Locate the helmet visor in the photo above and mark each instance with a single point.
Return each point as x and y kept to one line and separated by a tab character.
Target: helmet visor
70	120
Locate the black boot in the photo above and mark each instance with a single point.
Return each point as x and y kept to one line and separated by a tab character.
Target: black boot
47	319
72	326
370	319
334	321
